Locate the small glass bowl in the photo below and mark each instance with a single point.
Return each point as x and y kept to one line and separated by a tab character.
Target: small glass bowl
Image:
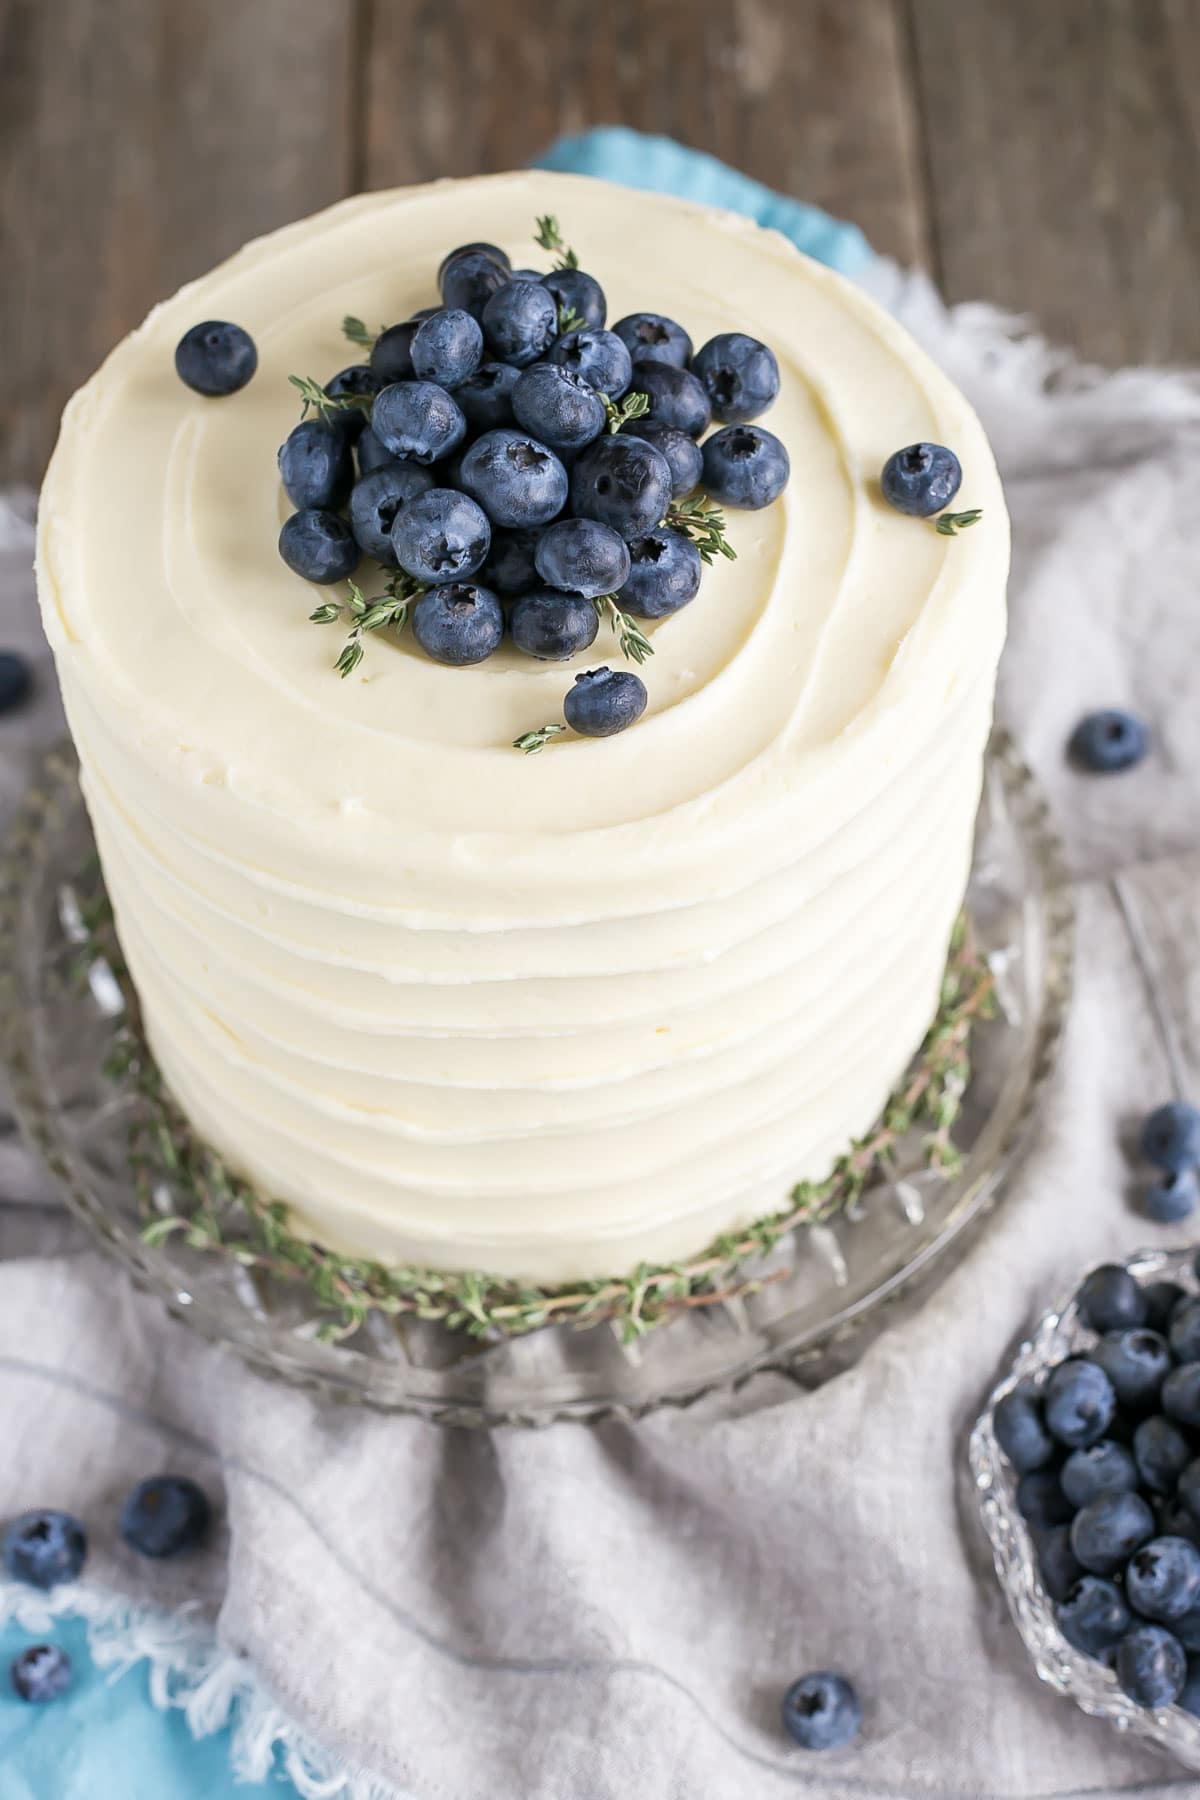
1092	1687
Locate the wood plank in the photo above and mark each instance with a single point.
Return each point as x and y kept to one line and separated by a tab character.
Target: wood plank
1064	165
140	141
810	96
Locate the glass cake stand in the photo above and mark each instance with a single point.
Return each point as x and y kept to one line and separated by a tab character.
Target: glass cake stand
833	1285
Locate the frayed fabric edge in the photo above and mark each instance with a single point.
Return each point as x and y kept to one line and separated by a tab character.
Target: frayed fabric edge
213	1688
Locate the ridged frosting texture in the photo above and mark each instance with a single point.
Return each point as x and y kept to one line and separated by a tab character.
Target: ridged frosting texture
548	1016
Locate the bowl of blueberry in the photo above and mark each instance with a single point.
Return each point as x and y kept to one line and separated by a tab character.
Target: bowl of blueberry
1086	1464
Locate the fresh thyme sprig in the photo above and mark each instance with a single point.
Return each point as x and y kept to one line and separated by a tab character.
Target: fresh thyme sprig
358	333
633	406
533	742
313	395
569	320
950	524
368	614
704	523
632	639
548	237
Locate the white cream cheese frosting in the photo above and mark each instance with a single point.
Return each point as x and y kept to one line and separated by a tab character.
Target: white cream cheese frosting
546	1016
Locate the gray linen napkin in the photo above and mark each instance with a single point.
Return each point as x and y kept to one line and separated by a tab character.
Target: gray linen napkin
586	1613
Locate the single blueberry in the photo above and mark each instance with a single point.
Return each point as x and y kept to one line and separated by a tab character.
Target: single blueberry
649	337
1136	1362
1181	1394
448	347
215	358
1058	1565
1161	1298
1189	1694
685	459
821	1711
15	680
582	556
1171	1137
921	479
1184	1333
1020	1430
41	1673
391	354
458	623
1188	1491
1103	1468
553	624
1106	742
599	357
517	480
574	291
316	465
43	1548
492	252
165	1515
1161	1453
623	482
441	536
1041	1500
511	568
1078	1403
358	379
418	420
745	466
372	454
486	396
1093	1616
470	278
558	406
1110	1299
1105	1534
377	499
676	397
1151	1666
740	376
1162	1580
1172	1197
604	701
318	545
520	322
664	574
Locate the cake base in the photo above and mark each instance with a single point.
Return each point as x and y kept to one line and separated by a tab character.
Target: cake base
805	1305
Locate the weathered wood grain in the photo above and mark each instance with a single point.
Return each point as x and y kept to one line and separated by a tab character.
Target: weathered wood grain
808	95
1064	166
140	141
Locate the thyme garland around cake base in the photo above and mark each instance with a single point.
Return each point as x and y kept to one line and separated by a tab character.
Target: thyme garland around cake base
218	1213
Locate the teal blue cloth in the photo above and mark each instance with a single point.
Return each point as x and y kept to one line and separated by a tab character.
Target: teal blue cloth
107	1741
659	163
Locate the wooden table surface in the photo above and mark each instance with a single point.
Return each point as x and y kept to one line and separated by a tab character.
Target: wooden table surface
1040	153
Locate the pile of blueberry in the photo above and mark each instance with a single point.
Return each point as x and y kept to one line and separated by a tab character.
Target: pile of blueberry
162	1516
1107	1449
525	471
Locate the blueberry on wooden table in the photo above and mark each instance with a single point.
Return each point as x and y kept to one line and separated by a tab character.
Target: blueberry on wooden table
43	1548
215	358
